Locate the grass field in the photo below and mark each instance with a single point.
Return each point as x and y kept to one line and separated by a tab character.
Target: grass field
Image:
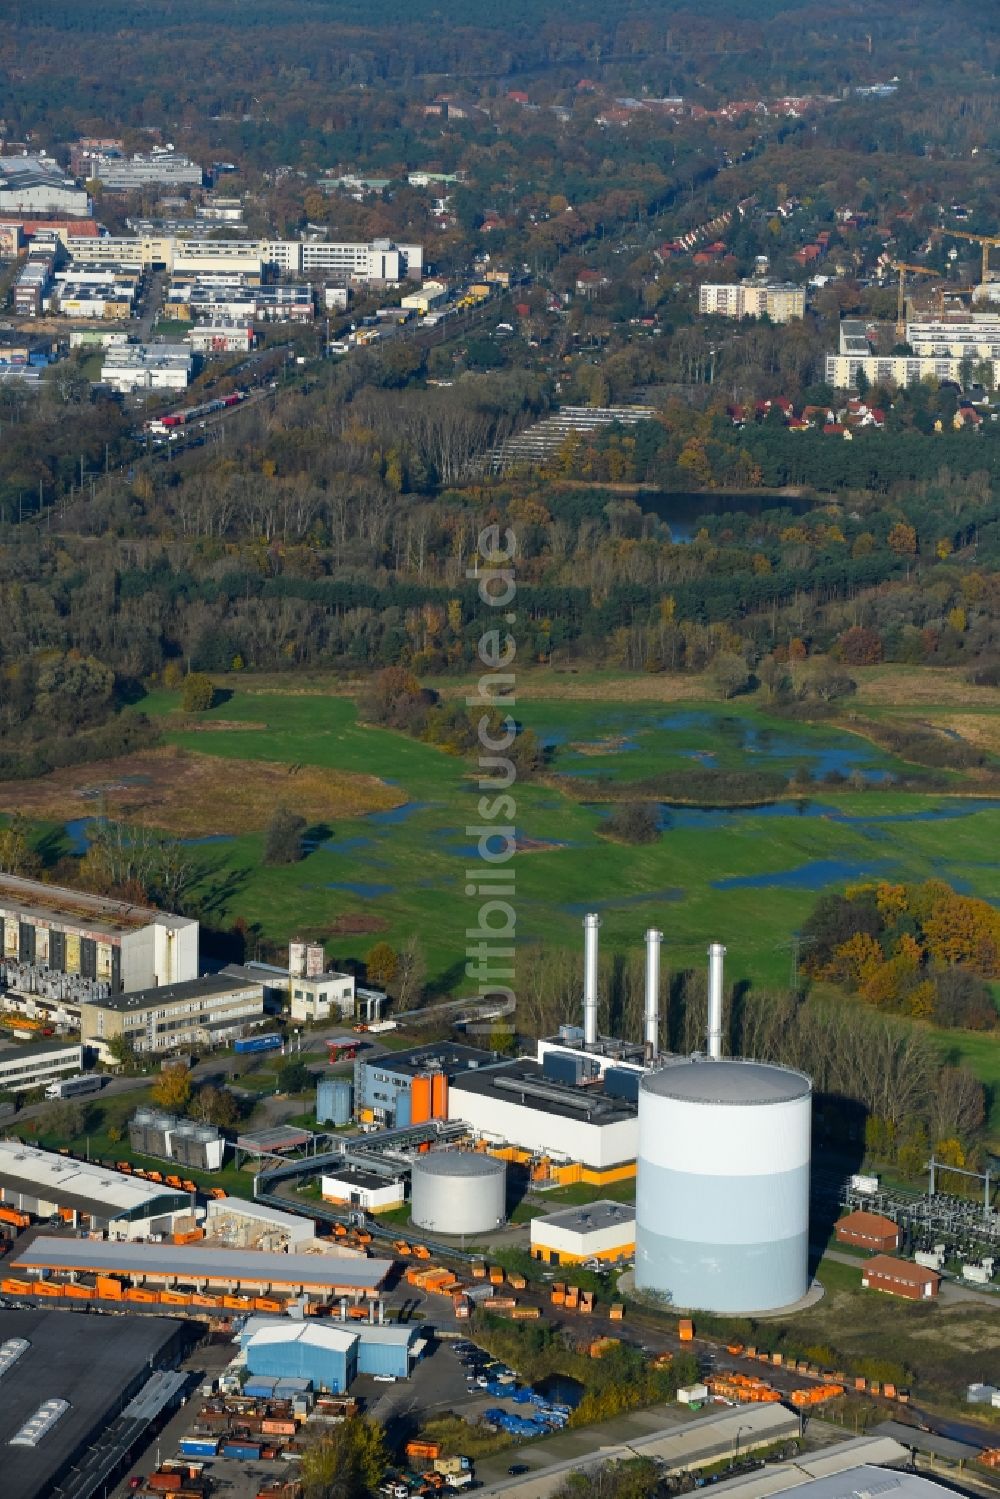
747	875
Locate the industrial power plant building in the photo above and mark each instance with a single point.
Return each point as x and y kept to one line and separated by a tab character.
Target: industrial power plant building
722	1200
411	1087
525	1105
71	932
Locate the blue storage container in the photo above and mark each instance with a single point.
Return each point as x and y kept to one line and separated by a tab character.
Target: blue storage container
199	1446
245	1451
260	1386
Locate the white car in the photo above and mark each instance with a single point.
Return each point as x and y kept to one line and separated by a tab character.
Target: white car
384	1378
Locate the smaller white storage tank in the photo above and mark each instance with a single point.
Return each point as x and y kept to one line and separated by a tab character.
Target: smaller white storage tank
458	1192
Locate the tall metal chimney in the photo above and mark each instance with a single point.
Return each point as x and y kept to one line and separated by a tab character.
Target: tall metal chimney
716	954
591	923
652	1037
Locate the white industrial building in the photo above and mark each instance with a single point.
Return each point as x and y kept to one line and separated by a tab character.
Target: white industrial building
118	173
381	260
351	1187
37	184
75	933
781	302
44	1183
521	1105
133	367
222	338
599	1231
29	1064
318	996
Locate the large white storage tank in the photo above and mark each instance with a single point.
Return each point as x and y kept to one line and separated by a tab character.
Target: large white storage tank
722	1197
458	1192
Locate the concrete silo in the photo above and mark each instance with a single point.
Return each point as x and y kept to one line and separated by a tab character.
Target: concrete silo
722	1197
458	1192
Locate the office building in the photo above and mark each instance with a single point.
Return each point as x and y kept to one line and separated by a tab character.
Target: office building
32	1064
208	1011
781	302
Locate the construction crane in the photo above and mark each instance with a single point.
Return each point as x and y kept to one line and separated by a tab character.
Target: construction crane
916	270
986	243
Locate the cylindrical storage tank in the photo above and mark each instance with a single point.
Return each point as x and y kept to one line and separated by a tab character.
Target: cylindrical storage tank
458	1192
334	1101
420	1100
722	1196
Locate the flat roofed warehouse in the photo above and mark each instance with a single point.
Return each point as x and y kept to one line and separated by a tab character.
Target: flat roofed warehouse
96	1364
187	1264
74	932
42	1181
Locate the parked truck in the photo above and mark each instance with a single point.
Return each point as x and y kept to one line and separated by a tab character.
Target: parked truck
75	1087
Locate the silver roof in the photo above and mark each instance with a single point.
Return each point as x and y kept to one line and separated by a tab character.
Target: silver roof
458	1163
185	1261
727	1080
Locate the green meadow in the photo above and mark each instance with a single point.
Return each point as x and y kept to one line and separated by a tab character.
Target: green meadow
747	876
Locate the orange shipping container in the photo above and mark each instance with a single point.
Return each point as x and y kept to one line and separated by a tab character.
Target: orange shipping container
685	1330
428	1449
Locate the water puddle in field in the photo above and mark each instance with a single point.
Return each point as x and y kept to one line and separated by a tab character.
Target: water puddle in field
366	890
815	875
395	815
621	902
